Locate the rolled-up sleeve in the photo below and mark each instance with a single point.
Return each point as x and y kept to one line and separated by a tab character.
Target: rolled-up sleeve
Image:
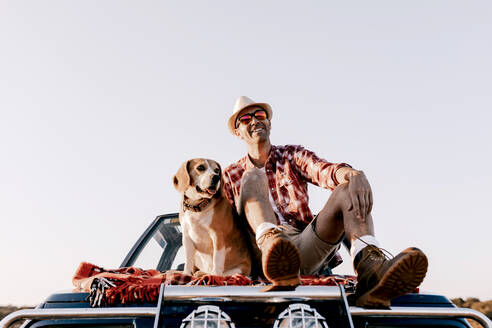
229	194
315	170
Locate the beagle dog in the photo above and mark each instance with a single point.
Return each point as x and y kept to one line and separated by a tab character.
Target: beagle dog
212	241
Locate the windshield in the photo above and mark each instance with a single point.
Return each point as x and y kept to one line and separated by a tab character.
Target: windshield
159	247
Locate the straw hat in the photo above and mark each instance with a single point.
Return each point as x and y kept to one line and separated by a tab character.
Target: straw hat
241	103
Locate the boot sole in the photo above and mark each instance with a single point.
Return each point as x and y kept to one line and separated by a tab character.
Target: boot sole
283	285
402	278
282	264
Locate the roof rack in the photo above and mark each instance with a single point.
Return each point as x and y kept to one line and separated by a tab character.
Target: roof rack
245	294
396	312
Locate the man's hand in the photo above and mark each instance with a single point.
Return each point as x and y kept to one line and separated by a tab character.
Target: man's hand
360	194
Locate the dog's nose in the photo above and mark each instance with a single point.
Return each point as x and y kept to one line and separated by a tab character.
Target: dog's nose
215	179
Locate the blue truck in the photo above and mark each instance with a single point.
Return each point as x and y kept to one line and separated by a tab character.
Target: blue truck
233	306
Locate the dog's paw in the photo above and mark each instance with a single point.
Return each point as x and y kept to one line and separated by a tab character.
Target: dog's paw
176	271
199	274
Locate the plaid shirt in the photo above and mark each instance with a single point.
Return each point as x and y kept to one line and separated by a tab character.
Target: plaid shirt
288	169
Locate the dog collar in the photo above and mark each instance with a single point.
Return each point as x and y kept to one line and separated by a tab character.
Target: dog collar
198	207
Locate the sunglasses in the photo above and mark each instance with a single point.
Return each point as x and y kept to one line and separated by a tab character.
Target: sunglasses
245	119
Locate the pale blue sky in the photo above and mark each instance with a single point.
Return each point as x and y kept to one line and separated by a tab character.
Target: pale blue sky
101	101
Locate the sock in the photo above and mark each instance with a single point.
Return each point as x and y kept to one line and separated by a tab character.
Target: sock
359	244
262	228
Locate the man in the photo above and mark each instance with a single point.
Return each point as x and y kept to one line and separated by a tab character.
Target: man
269	187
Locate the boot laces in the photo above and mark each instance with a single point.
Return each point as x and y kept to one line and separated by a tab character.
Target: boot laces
381	252
268	234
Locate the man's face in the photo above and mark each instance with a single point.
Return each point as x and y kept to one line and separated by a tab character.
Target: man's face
257	129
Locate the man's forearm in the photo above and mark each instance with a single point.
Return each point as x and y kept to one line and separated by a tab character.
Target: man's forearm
344	173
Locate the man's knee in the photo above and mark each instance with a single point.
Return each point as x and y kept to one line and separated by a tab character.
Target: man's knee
340	191
253	181
340	196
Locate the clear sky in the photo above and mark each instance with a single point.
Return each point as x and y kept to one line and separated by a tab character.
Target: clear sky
101	101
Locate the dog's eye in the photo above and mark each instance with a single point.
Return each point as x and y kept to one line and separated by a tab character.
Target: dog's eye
217	170
200	168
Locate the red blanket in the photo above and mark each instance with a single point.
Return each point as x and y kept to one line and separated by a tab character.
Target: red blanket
134	285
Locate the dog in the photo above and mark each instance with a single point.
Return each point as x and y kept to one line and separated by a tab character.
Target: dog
212	240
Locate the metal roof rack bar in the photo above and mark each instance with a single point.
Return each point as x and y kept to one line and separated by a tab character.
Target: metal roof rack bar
77	313
423	312
249	293
159	315
346	308
121	312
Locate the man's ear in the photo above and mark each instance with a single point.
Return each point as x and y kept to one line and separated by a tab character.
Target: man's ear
181	179
236	132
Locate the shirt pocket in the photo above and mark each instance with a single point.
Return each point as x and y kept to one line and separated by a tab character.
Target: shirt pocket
286	181
288	189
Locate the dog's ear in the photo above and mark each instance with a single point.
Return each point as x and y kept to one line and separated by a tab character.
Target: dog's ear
181	179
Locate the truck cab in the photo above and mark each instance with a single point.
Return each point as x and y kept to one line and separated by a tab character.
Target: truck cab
159	247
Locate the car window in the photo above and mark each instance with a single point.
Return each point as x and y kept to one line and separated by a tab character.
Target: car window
179	260
150	255
162	248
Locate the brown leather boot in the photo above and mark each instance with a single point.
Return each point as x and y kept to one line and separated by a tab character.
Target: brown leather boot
380	280
280	260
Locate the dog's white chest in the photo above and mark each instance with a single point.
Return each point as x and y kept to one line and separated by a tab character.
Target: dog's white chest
203	219
200	246
197	225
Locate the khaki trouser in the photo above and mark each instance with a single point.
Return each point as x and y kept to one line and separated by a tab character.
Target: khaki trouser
314	251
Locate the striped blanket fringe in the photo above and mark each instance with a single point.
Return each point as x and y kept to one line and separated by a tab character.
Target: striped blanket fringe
133	285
